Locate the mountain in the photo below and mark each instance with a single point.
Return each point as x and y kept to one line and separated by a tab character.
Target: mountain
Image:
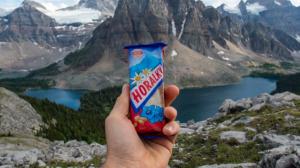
205	48
105	6
30	39
268	12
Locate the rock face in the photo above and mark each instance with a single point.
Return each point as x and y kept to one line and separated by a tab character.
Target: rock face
29	23
242	165
257	103
17	116
237	135
271	129
283	157
22	155
271	11
107	6
31	39
74	151
197	37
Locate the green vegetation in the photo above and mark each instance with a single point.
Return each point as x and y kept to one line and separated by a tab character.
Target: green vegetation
21	84
201	149
269	66
50	70
197	150
287	65
83	58
271	75
96	162
269	70
87	124
289	83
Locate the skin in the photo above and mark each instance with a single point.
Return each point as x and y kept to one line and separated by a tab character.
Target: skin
126	149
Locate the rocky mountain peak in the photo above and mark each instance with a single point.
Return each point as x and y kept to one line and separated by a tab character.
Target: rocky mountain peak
107	6
243	8
32	4
26	22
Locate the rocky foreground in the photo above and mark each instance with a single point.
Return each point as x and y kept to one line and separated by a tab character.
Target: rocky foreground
255	132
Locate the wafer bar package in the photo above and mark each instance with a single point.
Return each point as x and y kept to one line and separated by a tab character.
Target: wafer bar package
146	74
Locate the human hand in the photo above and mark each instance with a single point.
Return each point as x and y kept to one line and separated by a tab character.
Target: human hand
126	149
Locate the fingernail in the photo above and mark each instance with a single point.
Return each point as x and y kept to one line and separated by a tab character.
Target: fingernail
170	128
124	87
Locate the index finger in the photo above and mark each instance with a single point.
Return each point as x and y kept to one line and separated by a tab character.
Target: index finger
171	93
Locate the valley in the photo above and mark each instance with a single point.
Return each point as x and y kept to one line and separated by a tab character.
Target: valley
237	66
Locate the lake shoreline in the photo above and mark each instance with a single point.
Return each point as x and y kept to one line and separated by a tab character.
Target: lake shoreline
193	103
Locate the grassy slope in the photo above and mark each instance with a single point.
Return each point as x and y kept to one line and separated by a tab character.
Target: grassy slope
196	150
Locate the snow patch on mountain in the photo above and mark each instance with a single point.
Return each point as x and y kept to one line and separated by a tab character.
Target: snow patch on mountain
255	8
174	31
182	26
298	37
277	3
82	15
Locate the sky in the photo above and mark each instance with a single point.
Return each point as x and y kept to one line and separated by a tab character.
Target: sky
50	4
57	4
233	3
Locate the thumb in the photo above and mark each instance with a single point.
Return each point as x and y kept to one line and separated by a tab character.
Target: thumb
121	107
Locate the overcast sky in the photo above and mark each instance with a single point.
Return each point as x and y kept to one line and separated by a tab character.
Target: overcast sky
217	3
50	4
56	4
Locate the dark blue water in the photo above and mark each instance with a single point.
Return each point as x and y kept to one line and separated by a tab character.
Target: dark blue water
196	104
68	98
200	104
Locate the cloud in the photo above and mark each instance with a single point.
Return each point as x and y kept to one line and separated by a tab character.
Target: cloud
296	2
216	3
234	3
53	5
255	8
49	4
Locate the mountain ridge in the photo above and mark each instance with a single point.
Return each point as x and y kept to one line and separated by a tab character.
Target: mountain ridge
208	37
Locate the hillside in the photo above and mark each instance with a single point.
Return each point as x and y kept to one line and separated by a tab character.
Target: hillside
32	36
260	131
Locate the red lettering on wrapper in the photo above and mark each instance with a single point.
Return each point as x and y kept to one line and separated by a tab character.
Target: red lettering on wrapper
136	96
142	90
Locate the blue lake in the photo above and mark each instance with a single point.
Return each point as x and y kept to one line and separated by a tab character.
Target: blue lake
200	104
196	104
69	98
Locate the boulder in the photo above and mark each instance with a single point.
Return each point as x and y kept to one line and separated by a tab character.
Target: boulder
245	120
23	158
237	135
242	165
281	157
186	131
75	151
257	103
274	140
